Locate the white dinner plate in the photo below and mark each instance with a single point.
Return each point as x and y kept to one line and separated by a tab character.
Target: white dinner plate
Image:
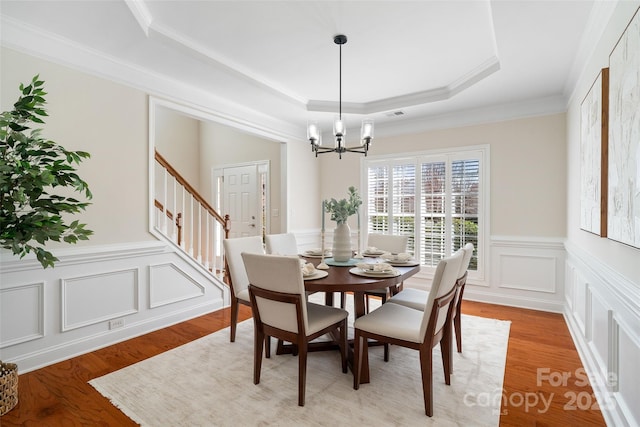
409	263
319	274
316	254
360	272
373	254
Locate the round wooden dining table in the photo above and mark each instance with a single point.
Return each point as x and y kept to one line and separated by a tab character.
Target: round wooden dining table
339	279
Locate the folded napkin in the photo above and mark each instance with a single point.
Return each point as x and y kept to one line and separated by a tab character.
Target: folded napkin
308	269
402	256
379	267
318	251
372	250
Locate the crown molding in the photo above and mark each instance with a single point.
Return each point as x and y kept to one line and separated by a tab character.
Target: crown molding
474	76
33	41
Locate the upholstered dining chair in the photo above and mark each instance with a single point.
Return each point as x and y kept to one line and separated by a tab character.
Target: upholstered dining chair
281	310
419	330
417	298
281	244
389	243
236	275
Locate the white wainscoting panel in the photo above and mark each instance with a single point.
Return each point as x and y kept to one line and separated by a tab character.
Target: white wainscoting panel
569	286
49	315
606	333
628	375
169	284
522	272
528	273
24	305
581	303
599	329
94	298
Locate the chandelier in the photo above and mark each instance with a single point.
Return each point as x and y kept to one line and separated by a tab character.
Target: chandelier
339	130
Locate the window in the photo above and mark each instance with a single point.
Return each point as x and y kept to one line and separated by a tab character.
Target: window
435	198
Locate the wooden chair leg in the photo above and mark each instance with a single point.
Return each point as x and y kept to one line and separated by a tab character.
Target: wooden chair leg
267	346
457	322
234	318
302	373
343	299
357	358
258	338
447	356
386	345
426	365
344	346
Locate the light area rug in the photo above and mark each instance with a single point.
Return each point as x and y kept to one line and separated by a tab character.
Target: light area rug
209	382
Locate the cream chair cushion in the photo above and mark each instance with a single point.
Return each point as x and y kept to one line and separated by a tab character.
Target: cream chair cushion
281	244
395	321
233	249
388	242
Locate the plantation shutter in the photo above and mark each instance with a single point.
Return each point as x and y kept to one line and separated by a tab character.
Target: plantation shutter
403	200
432	212
378	199
465	201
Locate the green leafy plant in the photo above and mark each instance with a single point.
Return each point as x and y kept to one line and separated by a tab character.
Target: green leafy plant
341	210
31	167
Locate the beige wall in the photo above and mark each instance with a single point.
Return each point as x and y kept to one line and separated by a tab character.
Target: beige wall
528	160
222	145
109	121
177	139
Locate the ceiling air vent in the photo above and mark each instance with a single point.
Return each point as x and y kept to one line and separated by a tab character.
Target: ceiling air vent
395	113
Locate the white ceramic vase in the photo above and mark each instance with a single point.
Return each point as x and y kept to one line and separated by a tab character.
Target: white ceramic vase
342	243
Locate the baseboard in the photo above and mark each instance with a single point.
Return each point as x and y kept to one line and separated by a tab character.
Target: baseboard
67	350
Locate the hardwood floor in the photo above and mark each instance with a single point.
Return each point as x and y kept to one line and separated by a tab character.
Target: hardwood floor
543	384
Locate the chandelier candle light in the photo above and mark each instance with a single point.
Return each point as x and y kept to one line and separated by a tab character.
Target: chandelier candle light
339	129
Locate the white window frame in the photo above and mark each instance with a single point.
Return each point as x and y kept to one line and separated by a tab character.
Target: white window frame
482	153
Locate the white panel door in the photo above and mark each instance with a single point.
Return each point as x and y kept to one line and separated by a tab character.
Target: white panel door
240	195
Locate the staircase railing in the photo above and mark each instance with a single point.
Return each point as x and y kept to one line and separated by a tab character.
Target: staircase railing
184	217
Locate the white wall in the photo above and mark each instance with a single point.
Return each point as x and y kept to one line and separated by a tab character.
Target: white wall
603	276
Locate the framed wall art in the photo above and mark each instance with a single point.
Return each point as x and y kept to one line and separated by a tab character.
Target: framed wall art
624	137
594	135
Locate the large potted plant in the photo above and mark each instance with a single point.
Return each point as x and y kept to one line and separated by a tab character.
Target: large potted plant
340	211
33	173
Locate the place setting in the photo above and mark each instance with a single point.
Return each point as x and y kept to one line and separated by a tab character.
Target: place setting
379	269
310	272
402	259
373	252
317	253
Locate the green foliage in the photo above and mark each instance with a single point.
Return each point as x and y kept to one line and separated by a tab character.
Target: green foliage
341	210
464	227
30	168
